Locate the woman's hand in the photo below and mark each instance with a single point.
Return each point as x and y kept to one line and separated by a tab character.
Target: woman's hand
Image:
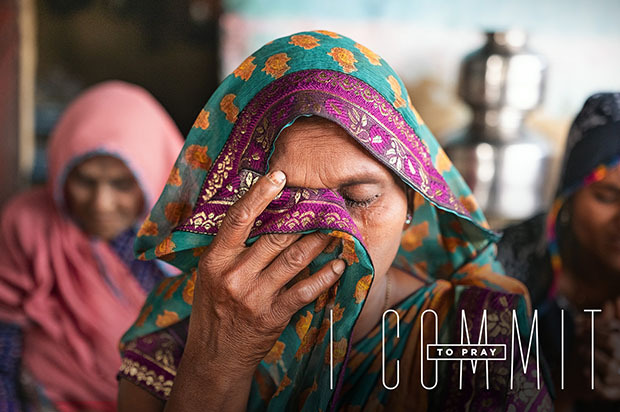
243	302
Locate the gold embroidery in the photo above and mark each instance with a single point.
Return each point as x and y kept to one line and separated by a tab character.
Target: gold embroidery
359	128
206	222
143	375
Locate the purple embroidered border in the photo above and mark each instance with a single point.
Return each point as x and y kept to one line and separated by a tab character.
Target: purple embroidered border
341	98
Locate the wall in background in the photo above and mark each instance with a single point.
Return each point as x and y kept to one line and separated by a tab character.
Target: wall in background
425	40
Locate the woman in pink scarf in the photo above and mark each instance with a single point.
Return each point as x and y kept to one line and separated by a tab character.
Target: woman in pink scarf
69	286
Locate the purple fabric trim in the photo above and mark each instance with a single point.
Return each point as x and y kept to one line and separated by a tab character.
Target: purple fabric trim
349	102
151	361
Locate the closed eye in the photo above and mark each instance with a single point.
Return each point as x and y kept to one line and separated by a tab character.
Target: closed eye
360	203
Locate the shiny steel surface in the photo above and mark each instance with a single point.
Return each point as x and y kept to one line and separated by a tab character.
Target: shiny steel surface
506	165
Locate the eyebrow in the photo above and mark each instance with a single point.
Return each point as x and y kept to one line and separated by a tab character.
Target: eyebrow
360	180
606	186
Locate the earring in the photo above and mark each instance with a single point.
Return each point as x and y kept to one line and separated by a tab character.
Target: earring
565	215
409	219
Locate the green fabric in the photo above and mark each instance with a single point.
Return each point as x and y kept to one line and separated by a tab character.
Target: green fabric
442	242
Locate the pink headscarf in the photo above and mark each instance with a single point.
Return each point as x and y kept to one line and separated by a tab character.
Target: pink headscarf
54	279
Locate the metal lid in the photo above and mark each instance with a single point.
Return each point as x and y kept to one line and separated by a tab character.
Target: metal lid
504	73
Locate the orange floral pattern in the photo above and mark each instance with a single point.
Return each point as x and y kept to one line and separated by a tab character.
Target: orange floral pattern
303	324
275	354
340	351
450	243
148	228
470	203
202	121
361	288
166	319
173	288
165	247
348	247
338	312
227	105
276	65
344	58
176	212
163	285
144	313
283	384
174	179
245	69
328	33
414	236
442	161
398	93
418	118
198	251
307	342
196	156
305	41
372	57
188	290
321	301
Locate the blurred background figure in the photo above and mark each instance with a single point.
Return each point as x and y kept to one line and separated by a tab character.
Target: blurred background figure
570	259
69	284
179	50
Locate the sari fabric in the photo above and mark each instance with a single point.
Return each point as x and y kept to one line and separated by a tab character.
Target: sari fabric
531	250
322	74
71	295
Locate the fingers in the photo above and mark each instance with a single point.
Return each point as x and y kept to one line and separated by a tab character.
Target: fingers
267	248
240	217
294	259
308	290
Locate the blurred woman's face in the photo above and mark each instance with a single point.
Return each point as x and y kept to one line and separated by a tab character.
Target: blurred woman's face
103	196
318	154
596	219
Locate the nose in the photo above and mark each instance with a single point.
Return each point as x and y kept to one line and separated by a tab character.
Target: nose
103	199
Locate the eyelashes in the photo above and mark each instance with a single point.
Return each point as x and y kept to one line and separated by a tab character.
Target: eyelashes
360	203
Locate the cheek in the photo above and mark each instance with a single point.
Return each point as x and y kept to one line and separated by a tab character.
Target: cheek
78	197
591	218
130	203
382	229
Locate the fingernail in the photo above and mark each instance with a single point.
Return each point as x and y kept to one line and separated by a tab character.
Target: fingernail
338	266
276	177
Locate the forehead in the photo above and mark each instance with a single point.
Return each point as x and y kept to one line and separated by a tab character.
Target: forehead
103	167
613	176
318	147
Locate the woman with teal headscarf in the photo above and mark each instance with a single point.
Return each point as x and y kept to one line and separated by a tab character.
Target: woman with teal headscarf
327	203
